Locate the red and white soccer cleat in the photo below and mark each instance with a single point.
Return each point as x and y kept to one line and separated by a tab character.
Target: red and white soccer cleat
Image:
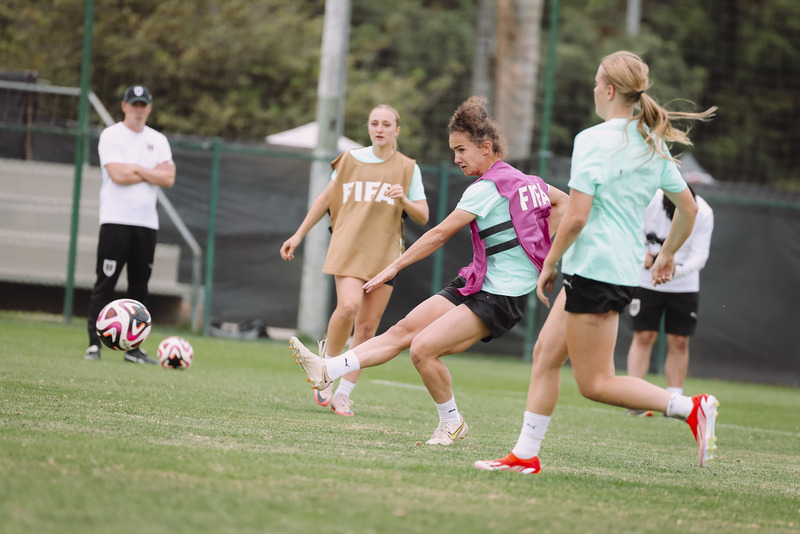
511	463
701	421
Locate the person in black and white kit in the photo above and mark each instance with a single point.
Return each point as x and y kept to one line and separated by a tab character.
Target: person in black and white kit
136	160
678	300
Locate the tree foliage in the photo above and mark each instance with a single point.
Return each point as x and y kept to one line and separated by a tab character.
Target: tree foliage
242	69
740	55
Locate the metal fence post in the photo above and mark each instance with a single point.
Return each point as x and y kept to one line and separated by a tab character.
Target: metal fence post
80	154
544	155
441	213
212	228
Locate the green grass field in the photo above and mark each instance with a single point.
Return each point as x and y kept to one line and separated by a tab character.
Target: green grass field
236	444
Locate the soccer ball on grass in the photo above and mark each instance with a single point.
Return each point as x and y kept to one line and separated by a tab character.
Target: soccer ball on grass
123	324
175	353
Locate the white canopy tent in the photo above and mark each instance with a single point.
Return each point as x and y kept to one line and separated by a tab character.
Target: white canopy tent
305	136
692	172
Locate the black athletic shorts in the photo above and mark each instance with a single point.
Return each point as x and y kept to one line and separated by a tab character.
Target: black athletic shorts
498	312
679	310
585	295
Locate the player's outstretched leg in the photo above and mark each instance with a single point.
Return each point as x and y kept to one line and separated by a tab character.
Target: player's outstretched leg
313	365
702	420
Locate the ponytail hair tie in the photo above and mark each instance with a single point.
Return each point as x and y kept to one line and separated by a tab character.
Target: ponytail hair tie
640	93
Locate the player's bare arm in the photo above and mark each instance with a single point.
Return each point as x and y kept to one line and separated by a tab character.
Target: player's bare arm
315	213
682	224
573	221
559	201
426	245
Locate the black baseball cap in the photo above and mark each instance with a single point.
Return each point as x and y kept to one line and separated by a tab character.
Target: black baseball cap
137	93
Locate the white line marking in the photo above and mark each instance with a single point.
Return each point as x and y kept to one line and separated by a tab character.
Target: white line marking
393	384
605	409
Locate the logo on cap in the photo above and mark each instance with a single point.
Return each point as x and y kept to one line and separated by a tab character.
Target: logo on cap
137	93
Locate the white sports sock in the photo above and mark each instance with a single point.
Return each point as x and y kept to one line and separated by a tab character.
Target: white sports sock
341	365
448	412
530	439
679	391
345	387
680	406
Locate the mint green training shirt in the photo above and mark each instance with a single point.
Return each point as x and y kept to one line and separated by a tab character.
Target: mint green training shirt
511	272
611	162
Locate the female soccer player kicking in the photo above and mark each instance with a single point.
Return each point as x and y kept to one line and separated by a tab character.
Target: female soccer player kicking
510	215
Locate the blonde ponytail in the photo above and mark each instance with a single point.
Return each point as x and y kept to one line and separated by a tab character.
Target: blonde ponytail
628	74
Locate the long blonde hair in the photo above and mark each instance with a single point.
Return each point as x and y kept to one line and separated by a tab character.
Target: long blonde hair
627	73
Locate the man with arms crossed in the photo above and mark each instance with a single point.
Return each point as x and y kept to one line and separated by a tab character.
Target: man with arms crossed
136	160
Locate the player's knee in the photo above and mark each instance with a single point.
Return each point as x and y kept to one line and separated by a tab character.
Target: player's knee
591	389
365	329
401	333
678	343
346	310
420	353
549	355
645	338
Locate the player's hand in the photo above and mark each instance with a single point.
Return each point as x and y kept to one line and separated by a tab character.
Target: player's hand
287	249
545	283
649	259
663	269
396	192
380	278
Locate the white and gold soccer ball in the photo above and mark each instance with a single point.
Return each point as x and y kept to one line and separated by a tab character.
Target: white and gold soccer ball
175	353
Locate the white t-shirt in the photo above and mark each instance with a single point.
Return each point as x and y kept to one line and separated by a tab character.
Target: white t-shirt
132	205
692	255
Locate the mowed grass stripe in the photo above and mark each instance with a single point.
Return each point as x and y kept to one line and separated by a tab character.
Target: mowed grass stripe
237	444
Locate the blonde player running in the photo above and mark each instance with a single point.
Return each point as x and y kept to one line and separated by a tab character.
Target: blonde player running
370	190
617	166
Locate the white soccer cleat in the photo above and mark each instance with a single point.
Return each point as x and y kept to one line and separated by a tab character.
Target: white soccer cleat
313	365
448	433
340	405
323	396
